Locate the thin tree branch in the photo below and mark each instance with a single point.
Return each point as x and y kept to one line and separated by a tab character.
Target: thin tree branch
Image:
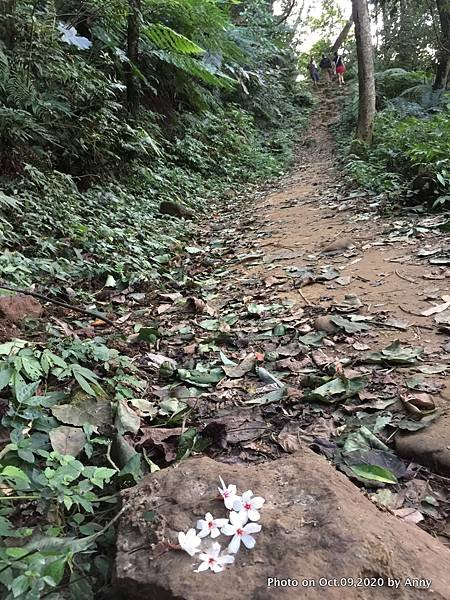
90	313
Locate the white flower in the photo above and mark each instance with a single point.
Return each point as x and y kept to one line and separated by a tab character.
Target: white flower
248	506
212	560
240	532
189	541
210	525
228	494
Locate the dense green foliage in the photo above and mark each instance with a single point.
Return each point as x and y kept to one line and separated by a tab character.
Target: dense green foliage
410	156
82	180
210	115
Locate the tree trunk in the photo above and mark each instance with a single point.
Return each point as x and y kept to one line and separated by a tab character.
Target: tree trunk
443	68
132	82
7	23
343	35
366	75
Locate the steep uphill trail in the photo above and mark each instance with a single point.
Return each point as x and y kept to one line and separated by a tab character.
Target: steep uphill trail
379	268
304	332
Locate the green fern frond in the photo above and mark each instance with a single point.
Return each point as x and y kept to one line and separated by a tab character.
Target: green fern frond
165	38
195	68
21	126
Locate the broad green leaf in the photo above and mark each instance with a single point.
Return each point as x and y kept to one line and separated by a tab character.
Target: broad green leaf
312	339
201	378
5	375
349	326
11	348
11	472
99	475
396	354
55	570
148	409
32	367
84	384
226	361
24	391
374	473
210	324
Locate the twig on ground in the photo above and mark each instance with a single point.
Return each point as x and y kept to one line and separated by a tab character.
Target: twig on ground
405	278
304	298
108	457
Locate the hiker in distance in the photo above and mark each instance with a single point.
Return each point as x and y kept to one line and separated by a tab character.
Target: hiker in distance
339	67
314	71
327	68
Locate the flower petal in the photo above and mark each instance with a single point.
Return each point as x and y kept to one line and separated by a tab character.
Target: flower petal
201	523
229	502
235	518
204	566
208	517
203	533
248	541
203	556
215	550
257	502
253	515
243	515
222	483
237	504
234	544
227	559
252	528
217	568
228	529
232	489
247	495
220	522
214	532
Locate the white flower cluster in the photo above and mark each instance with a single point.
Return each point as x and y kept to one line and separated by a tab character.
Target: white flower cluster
242	509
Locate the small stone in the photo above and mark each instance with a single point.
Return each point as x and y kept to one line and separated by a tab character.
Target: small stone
325	324
339	245
174	209
429	446
19	307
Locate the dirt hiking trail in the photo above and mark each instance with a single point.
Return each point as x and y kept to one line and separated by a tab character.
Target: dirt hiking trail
335	400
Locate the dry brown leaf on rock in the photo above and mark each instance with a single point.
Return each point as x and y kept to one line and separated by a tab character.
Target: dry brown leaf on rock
410	515
163	439
293	436
236	426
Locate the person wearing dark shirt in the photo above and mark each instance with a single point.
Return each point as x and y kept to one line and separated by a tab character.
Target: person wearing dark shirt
327	68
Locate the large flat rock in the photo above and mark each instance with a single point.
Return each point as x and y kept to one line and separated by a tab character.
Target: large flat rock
315	524
430	446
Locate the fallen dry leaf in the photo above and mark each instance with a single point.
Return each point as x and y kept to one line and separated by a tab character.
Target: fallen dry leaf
437	309
410	515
